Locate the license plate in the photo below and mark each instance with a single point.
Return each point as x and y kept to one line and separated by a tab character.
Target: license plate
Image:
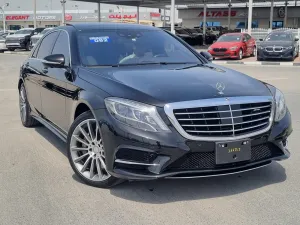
231	152
219	54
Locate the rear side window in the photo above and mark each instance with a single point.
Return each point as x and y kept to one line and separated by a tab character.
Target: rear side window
47	45
62	46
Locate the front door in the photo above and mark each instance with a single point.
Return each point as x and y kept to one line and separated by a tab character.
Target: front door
54	83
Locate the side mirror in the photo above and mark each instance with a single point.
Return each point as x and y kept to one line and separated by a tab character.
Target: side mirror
261	39
56	60
296	39
207	56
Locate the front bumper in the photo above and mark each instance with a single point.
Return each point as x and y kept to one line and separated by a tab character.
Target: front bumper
263	54
227	54
15	44
138	155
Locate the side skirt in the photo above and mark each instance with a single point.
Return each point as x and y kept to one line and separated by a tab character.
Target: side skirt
56	131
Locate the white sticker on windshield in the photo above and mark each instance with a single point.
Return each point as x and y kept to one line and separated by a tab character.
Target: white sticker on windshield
104	39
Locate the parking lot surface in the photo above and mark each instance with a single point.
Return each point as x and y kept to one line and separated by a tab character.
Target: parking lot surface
37	185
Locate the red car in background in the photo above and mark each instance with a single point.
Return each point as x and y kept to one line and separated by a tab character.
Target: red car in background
233	45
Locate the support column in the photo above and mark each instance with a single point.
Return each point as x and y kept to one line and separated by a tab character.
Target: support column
285	14
229	14
164	17
138	15
63	19
204	23
172	16
4	18
250	16
99	12
34	13
271	14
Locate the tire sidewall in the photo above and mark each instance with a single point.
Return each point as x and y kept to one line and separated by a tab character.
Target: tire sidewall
111	181
240	55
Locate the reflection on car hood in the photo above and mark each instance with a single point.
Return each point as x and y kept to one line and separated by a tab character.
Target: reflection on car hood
166	84
276	43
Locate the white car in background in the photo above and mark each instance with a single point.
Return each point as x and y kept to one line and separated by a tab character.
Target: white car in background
35	38
3	36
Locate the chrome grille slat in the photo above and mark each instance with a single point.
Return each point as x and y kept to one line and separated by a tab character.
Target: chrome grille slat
222	119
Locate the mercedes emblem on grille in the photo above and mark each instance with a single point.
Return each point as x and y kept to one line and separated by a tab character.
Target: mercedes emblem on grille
220	87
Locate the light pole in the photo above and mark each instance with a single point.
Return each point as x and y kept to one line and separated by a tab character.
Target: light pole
121	8
63	3
34	12
3	13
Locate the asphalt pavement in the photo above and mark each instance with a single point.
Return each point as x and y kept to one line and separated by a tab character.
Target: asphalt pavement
37	185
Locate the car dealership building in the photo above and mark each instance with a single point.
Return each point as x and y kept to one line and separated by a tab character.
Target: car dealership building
192	17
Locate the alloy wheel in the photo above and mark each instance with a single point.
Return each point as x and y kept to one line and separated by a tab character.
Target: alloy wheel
241	54
23	104
87	151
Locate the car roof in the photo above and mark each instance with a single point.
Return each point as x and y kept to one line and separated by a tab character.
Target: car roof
97	26
232	34
27	28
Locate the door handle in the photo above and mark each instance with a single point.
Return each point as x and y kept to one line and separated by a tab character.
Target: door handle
45	70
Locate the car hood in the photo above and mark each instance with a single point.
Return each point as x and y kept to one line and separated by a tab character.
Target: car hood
159	85
17	36
225	44
276	43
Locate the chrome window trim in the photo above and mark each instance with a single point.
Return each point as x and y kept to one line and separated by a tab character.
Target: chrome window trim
168	108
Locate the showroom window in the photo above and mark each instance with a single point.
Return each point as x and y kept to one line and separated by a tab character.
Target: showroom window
243	24
14	27
277	24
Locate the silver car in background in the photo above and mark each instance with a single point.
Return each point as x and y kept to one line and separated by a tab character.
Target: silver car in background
37	37
3	36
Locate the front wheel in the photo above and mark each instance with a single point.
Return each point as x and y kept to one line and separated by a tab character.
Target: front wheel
11	49
86	153
27	46
240	54
254	52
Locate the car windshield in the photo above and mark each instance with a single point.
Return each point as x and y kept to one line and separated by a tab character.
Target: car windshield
131	46
230	38
24	32
279	37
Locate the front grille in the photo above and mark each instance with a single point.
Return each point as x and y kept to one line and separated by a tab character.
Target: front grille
269	49
8	41
135	155
225	120
220	49
207	160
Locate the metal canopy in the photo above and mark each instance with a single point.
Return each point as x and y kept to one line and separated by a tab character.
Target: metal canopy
163	3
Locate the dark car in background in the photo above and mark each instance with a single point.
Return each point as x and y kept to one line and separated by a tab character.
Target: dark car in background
198	36
35	38
134	102
279	45
21	39
191	40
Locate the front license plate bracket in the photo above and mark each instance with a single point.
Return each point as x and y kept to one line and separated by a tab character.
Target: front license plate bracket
232	152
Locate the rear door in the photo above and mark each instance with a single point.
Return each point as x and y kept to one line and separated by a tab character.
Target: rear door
250	44
54	85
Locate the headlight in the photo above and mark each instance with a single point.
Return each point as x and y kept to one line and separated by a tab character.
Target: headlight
260	47
135	114
233	48
210	49
22	39
290	47
280	106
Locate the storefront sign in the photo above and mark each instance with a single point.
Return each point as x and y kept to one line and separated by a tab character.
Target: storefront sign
153	14
18	17
68	17
46	17
118	16
218	14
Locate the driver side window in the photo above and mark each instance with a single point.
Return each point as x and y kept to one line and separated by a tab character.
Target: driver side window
62	47
47	45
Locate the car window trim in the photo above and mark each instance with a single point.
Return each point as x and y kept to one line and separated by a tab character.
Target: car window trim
50	32
41	41
70	62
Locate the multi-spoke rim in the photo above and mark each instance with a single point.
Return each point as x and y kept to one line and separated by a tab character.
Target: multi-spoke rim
241	54
87	151
23	104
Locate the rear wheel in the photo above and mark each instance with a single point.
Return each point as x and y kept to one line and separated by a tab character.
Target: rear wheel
26	118
11	49
27	46
254	52
86	152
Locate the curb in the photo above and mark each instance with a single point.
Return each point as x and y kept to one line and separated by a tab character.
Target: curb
257	63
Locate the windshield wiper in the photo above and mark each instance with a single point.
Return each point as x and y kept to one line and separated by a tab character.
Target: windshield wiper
149	63
192	66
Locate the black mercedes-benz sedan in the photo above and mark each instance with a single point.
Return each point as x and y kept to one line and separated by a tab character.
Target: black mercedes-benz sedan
279	45
134	102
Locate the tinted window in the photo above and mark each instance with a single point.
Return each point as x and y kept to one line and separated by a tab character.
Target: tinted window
62	46
248	37
47	45
130	46
230	38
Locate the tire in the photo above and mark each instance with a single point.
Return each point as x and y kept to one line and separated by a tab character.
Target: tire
297	55
26	118
86	153
27	46
240	56
260	59
11	49
254	52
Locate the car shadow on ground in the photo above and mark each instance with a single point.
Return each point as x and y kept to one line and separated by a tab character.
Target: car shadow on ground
169	190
